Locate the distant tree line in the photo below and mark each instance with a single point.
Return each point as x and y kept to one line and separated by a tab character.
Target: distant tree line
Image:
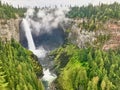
7	11
101	12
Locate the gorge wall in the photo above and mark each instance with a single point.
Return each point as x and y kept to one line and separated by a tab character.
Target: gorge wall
9	29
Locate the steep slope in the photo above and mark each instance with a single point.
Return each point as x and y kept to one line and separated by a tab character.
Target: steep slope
18	69
114	41
86	69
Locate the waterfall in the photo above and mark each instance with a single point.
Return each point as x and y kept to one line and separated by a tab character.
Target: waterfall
40	53
43	31
31	45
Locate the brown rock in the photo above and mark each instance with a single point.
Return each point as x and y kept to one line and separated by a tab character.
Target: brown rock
9	29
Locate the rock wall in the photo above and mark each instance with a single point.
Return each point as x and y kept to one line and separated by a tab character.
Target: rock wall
79	36
9	29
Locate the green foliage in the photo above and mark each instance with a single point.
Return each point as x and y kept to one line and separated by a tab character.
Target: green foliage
3	82
7	12
87	69
103	38
101	12
93	18
18	68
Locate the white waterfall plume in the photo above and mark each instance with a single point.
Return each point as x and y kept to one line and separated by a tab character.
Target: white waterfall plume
31	45
28	34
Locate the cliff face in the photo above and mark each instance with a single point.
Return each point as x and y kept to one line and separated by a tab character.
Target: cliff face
9	29
80	36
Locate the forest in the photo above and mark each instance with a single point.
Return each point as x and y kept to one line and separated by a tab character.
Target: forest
18	68
94	17
100	12
7	11
90	67
87	68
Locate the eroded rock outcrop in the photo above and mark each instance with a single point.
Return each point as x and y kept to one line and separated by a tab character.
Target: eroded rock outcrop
114	41
9	29
79	36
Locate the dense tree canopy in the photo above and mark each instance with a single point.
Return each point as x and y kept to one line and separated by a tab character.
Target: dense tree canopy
101	12
77	68
18	68
87	69
7	12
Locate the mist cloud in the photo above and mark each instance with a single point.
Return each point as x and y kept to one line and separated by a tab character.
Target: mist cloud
46	19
